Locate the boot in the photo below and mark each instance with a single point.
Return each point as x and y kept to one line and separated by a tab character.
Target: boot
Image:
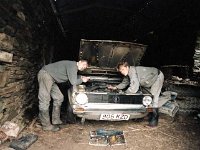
45	121
56	115
153	117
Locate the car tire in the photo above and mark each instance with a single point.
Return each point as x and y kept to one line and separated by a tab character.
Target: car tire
71	118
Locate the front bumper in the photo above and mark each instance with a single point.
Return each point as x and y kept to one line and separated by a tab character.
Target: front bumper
93	111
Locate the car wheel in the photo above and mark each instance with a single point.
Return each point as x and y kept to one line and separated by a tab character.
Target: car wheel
71	118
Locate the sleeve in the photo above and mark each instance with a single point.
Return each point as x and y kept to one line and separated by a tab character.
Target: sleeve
125	82
79	80
134	84
72	75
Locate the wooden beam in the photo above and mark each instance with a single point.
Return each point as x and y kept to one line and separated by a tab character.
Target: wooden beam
5	56
57	17
95	5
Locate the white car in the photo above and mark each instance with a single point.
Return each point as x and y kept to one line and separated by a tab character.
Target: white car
93	100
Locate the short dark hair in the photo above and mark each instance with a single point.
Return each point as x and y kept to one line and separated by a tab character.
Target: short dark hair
122	63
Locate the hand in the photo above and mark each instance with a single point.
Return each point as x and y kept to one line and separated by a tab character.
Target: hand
74	94
121	92
85	79
112	87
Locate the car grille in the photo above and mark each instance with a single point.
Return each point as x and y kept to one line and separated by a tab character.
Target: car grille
112	98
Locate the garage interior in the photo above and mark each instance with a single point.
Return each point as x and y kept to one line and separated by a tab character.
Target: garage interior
34	33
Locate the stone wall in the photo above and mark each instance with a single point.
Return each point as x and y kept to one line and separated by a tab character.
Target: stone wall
196	58
25	37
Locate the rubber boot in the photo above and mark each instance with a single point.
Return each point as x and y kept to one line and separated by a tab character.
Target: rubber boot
45	121
56	115
153	118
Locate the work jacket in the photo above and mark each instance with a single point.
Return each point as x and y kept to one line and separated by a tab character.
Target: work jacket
63	71
139	76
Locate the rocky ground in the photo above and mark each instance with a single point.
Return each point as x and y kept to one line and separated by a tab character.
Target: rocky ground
181	134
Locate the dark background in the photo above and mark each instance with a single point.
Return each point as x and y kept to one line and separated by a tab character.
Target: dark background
168	27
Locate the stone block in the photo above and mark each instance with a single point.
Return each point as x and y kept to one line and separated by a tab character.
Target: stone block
21	15
6	42
19	77
1	106
5	56
4	78
16	83
2	68
6	95
12	113
1	116
7	90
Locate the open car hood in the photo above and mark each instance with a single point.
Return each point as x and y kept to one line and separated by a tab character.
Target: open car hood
107	53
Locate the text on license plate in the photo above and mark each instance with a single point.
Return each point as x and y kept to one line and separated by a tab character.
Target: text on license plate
114	116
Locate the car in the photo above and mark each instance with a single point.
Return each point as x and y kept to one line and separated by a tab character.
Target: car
93	100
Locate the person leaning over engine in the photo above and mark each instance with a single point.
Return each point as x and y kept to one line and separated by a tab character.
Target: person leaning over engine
48	77
148	77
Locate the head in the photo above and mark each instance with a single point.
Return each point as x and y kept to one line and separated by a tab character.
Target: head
123	68
82	65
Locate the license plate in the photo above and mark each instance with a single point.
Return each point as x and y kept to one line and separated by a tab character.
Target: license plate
114	116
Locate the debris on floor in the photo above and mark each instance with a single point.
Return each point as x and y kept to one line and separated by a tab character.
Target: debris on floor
101	137
24	142
3	137
8	130
170	108
177	79
167	103
166	96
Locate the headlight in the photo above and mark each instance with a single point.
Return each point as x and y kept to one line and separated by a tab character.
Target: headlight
81	98
147	100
